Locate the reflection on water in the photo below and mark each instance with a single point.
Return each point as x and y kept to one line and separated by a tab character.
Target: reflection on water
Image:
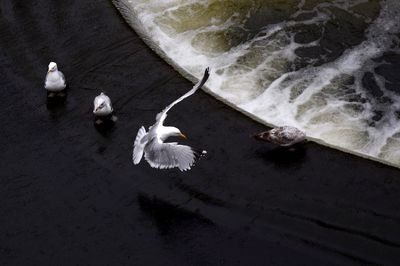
168	217
284	157
327	67
56	106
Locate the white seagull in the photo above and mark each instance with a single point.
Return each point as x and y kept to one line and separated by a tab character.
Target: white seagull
166	155
102	105
55	79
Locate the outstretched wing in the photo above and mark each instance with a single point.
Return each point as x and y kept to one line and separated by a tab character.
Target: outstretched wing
170	155
163	114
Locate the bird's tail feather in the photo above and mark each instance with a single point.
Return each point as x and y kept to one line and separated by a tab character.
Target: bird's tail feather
138	146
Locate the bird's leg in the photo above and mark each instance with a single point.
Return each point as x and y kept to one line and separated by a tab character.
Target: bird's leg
51	95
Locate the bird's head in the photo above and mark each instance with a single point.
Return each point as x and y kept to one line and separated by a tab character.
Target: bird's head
262	136
177	133
102	105
99	106
52	67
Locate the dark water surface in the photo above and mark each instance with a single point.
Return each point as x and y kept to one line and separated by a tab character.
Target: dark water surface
71	196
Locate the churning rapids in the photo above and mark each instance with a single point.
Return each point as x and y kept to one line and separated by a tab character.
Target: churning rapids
330	68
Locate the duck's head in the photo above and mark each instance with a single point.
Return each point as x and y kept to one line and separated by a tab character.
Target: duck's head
262	136
52	67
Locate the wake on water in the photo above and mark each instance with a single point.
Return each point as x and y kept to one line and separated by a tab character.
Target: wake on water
330	68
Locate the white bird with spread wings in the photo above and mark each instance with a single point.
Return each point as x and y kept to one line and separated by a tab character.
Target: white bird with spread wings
166	155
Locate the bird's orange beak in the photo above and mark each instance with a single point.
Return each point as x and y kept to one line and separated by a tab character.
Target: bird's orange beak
183	136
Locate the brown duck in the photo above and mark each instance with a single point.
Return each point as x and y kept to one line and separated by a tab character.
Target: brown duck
282	136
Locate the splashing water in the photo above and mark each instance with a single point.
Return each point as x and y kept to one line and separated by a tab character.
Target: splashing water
330	68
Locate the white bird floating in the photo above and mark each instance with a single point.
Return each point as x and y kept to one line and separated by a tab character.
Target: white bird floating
283	136
55	81
166	155
102	109
102	105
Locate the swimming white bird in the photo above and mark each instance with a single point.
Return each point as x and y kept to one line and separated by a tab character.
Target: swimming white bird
166	155
283	136
55	79
102	105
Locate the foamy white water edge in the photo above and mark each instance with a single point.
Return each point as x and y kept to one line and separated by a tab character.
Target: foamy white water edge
265	64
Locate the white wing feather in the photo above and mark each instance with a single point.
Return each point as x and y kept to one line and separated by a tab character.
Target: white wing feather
169	155
139	145
163	114
62	77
